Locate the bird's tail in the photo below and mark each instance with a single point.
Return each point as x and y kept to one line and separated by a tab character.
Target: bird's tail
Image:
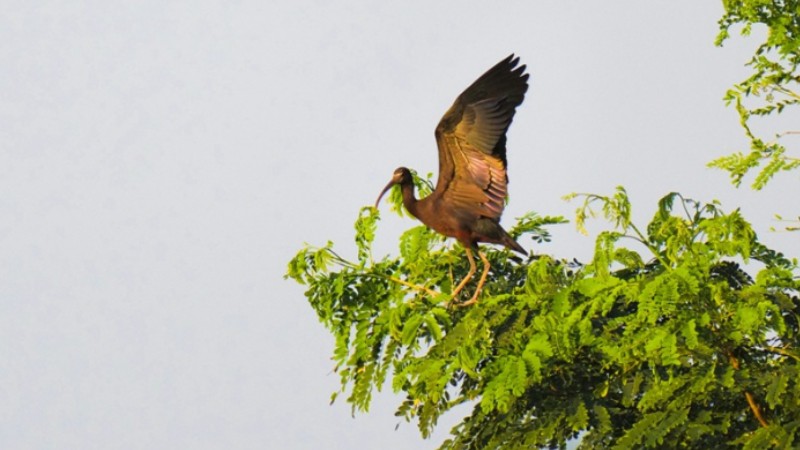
509	242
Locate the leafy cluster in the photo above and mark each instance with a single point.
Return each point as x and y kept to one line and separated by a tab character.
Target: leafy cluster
681	343
771	88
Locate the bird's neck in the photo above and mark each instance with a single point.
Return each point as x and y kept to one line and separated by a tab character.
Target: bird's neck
409	200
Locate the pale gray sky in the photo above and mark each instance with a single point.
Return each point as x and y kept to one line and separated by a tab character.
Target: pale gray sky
160	162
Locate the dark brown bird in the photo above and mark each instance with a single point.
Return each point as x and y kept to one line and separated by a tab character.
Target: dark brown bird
471	192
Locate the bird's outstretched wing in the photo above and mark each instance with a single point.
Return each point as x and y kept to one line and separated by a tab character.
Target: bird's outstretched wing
472	140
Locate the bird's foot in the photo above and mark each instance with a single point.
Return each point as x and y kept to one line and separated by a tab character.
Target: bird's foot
454	302
471	301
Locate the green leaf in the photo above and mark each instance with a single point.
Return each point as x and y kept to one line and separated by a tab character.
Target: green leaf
410	329
365	231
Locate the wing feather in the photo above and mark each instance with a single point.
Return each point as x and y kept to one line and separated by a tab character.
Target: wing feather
472	142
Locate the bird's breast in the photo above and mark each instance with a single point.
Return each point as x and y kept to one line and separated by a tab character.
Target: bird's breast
444	219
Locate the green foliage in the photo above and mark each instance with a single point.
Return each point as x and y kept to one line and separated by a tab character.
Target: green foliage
683	333
770	89
656	345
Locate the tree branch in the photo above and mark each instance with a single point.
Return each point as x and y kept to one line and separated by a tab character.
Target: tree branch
750	400
755	409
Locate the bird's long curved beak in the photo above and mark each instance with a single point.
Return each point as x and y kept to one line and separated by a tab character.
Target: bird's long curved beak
384	191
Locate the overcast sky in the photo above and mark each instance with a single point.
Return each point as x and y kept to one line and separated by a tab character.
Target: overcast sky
160	162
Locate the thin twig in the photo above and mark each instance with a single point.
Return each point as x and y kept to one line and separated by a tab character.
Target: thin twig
341	261
750	400
787	92
683	203
430	292
781	351
652	249
754	408
413	286
780	135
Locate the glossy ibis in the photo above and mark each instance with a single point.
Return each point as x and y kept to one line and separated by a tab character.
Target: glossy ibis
471	191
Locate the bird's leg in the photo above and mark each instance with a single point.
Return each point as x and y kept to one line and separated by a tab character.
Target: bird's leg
466	278
486	267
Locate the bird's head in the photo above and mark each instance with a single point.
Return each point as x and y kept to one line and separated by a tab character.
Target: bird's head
400	176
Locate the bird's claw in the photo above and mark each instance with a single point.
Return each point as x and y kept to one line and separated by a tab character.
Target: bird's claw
469	302
455	303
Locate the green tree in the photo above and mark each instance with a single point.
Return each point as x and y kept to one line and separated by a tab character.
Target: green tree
770	89
673	346
680	333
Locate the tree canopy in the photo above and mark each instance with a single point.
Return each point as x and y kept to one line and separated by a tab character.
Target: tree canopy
679	333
